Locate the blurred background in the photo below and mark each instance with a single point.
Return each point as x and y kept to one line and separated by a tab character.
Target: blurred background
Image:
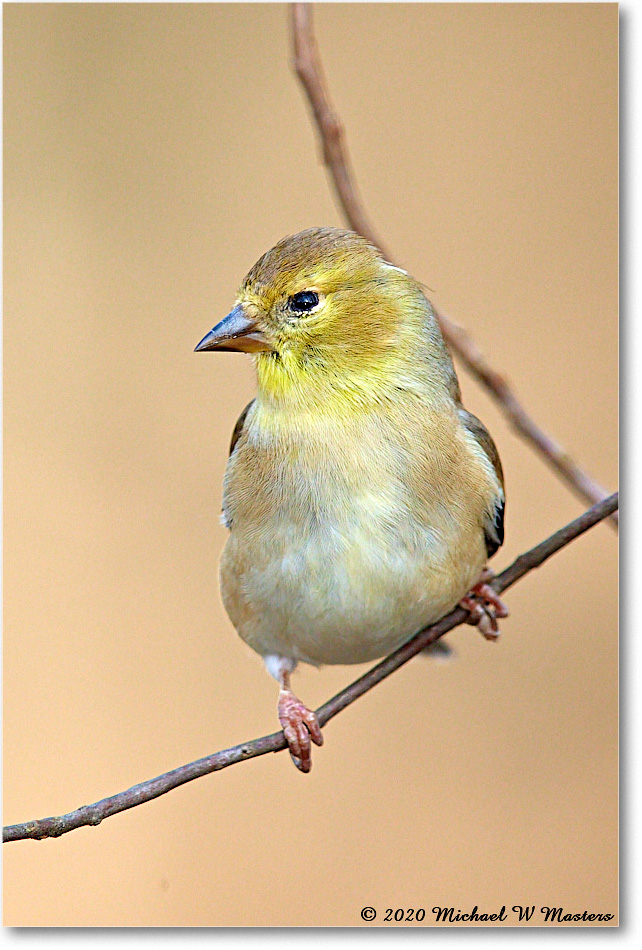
152	153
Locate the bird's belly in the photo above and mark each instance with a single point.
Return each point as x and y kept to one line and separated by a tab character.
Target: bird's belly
339	596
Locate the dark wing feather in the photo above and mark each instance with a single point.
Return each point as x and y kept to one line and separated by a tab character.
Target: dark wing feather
494	534
494	526
236	435
238	428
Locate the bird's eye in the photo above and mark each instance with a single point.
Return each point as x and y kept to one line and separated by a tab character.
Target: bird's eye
304	302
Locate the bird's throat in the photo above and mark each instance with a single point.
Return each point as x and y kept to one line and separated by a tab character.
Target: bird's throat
293	381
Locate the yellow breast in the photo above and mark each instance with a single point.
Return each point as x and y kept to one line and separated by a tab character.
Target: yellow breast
346	537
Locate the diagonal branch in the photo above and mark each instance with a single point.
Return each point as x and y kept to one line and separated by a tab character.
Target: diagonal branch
146	791
309	69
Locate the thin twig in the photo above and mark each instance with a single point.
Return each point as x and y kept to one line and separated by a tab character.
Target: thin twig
307	63
309	69
146	791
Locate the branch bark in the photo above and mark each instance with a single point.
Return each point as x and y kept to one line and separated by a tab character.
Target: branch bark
309	69
146	791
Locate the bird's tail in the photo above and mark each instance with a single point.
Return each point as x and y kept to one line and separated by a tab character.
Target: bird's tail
439	650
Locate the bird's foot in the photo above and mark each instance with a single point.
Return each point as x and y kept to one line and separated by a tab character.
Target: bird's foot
484	606
300	725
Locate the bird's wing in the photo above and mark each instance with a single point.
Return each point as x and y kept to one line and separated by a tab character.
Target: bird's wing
236	435
494	523
238	428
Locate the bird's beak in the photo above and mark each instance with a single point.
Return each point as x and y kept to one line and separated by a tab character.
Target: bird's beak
236	331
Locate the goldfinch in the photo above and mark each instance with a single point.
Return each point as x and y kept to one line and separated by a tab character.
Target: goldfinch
362	499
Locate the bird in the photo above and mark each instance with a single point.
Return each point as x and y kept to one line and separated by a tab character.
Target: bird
362	500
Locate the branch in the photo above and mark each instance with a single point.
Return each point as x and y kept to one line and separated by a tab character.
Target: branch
307	64
309	69
146	791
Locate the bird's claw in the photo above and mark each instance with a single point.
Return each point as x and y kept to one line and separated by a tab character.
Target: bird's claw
485	606
300	725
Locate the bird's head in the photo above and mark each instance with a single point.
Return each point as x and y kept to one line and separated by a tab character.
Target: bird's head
322	309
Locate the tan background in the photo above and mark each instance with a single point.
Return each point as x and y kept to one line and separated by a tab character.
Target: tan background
152	153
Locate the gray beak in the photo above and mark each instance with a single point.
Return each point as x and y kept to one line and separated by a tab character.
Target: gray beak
236	331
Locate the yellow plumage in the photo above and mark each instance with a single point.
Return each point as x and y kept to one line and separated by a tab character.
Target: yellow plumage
362	499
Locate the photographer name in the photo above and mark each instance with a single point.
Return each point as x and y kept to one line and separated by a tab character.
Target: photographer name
551	915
